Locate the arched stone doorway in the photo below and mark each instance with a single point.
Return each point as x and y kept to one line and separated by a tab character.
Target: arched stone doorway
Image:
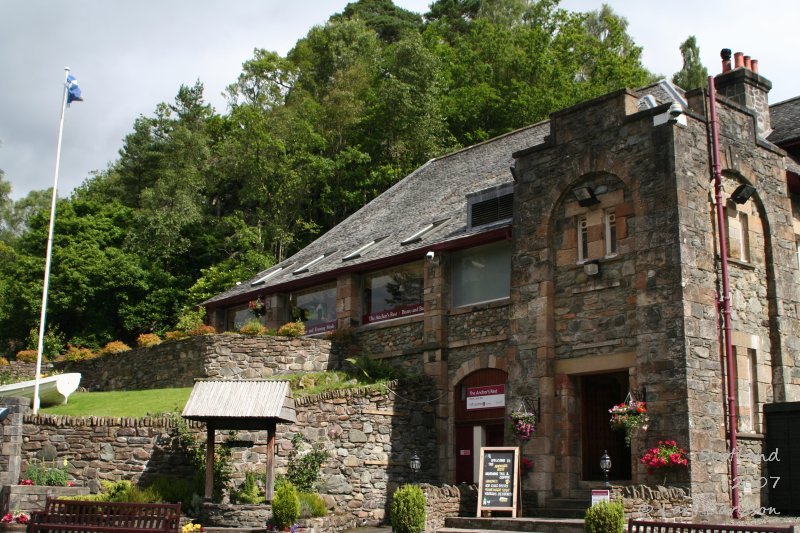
479	418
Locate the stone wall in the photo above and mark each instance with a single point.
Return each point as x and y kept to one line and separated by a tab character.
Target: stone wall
29	498
370	434
448	500
178	363
642	502
383	339
478	322
21	371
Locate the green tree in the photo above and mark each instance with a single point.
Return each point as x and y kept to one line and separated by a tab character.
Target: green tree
693	74
390	22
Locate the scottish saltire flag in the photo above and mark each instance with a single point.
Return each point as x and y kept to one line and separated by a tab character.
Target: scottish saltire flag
73	90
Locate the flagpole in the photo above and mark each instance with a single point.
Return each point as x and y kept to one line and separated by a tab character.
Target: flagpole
43	316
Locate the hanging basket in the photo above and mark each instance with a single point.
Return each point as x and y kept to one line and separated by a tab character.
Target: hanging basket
629	416
523	421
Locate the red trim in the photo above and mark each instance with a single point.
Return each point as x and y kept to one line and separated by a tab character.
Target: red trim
377	264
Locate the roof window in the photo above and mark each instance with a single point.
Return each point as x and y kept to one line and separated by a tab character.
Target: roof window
261	280
303	269
421	233
361	251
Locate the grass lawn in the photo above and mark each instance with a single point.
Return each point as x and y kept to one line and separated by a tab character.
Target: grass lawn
122	403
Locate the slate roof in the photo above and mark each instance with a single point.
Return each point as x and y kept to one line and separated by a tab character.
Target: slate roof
432	193
240	399
785	120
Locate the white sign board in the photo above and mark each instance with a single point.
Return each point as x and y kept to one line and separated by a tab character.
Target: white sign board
487	397
600	496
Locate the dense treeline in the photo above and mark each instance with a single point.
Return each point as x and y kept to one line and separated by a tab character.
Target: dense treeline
199	199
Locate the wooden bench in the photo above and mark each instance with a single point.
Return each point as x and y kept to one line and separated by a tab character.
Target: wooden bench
645	526
76	515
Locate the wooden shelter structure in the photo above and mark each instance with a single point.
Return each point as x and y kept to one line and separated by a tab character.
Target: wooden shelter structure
240	404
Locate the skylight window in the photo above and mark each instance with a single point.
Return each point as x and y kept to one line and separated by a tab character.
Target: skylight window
303	269
259	281
421	233
360	251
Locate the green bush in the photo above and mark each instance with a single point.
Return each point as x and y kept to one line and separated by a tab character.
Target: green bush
408	510
191	318
53	342
285	505
249	492
49	476
304	463
604	517
374	369
312	505
253	327
173	489
122	492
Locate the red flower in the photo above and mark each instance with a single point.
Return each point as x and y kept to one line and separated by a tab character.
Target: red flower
26	482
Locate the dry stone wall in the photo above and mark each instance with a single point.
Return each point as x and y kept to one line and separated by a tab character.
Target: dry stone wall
178	363
370	435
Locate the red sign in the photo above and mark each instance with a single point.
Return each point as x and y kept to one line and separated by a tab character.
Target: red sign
324	327
397	312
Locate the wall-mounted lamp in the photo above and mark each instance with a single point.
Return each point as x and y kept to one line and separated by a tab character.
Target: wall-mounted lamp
605	466
432	257
743	193
415	463
585	196
3	413
513	170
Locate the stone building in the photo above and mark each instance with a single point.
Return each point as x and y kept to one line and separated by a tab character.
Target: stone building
562	266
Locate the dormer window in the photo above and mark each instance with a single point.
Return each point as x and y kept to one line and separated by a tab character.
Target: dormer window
490	206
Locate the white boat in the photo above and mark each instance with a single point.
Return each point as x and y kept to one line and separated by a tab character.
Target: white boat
53	390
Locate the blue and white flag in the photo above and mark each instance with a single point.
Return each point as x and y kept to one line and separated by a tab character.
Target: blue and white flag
73	90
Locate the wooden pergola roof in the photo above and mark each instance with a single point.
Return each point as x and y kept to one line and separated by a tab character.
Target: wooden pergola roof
240	404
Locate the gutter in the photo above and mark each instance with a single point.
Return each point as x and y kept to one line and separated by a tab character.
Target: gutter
724	300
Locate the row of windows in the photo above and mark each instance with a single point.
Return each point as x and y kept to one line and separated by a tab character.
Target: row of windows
478	275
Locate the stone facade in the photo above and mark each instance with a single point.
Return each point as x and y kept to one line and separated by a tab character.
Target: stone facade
179	363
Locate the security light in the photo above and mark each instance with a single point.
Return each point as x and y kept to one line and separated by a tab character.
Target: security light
743	193
585	196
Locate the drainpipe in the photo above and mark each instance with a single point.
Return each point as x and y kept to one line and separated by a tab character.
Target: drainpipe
725	299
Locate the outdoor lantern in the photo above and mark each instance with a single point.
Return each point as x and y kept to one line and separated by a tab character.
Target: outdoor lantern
743	193
415	463
585	196
605	465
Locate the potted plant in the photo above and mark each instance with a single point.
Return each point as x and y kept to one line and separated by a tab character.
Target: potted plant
16	521
666	457
629	416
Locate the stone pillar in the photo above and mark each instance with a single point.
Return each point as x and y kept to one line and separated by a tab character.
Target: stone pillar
348	302
12	438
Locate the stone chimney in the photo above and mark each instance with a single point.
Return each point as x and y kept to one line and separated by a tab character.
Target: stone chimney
746	87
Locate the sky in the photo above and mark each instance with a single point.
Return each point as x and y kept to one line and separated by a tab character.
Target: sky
129	56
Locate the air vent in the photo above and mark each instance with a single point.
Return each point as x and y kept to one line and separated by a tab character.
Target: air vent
492	210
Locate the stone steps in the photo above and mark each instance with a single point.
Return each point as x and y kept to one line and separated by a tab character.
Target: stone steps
494	525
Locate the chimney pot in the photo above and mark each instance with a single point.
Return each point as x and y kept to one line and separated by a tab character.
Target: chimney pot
725	54
747	62
754	65
738	59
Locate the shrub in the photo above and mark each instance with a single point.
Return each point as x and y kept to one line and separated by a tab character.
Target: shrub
605	517
27	356
408	510
285	505
175	335
173	489
292	329
3	361
375	369
53	343
122	492
253	327
75	353
49	476
114	347
191	318
249	492
202	329
146	340
304	463
312	505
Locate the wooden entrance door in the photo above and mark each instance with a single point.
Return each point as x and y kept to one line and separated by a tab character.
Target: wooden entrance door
598	394
475	425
